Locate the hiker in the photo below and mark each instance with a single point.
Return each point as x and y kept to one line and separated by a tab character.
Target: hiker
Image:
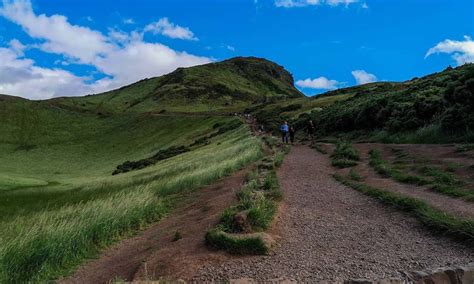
310	128
284	132
292	135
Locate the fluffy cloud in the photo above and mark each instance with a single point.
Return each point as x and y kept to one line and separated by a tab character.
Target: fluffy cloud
122	57
166	28
304	3
322	83
61	37
20	76
362	77
462	51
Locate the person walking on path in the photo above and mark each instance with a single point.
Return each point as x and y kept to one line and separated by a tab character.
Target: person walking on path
310	129
292	135
284	132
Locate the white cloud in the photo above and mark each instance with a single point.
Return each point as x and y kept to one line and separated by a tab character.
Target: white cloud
230	47
318	83
462	51
17	46
122	57
365	5
304	3
362	77
61	37
128	21
20	76
169	29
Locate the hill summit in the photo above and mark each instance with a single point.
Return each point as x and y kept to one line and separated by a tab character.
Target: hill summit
230	84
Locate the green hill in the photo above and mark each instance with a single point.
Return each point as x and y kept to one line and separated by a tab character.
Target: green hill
230	85
432	109
59	200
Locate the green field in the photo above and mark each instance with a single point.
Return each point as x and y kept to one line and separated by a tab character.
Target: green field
60	203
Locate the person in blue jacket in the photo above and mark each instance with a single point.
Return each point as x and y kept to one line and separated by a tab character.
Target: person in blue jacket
284	132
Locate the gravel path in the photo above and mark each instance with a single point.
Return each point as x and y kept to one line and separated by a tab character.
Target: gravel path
331	232
454	206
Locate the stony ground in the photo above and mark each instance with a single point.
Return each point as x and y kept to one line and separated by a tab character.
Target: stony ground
331	232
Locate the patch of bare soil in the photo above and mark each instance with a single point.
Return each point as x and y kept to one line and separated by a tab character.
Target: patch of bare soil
332	232
454	206
159	251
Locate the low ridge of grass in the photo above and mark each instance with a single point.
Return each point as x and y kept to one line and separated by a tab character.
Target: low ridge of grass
385	169
431	217
436	179
344	155
257	205
218	239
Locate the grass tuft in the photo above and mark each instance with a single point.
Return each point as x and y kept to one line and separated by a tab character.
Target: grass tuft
344	155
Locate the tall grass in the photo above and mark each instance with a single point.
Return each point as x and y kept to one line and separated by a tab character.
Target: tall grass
50	242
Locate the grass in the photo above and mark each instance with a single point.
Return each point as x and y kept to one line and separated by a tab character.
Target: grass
257	205
433	218
50	225
438	180
344	155
385	169
219	239
354	175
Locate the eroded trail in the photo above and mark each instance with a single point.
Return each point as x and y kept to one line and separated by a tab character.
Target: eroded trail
331	232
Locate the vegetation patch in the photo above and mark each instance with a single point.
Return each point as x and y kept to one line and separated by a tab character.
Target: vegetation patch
218	239
436	179
239	229
433	109
354	175
143	163
385	169
435	219
344	155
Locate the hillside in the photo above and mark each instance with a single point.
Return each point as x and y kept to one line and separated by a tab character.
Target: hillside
228	85
435	108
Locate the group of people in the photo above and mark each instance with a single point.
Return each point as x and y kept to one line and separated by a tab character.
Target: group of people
288	132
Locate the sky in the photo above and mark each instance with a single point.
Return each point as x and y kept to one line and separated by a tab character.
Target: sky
52	48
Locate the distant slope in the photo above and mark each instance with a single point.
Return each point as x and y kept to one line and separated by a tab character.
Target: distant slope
435	108
231	84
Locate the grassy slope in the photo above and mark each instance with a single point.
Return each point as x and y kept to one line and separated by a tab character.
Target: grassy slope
46	230
59	202
435	108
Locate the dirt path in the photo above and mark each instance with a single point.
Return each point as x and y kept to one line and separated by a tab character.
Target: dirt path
454	206
331	232
154	254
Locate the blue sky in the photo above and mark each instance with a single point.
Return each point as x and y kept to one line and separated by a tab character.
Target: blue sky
75	47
